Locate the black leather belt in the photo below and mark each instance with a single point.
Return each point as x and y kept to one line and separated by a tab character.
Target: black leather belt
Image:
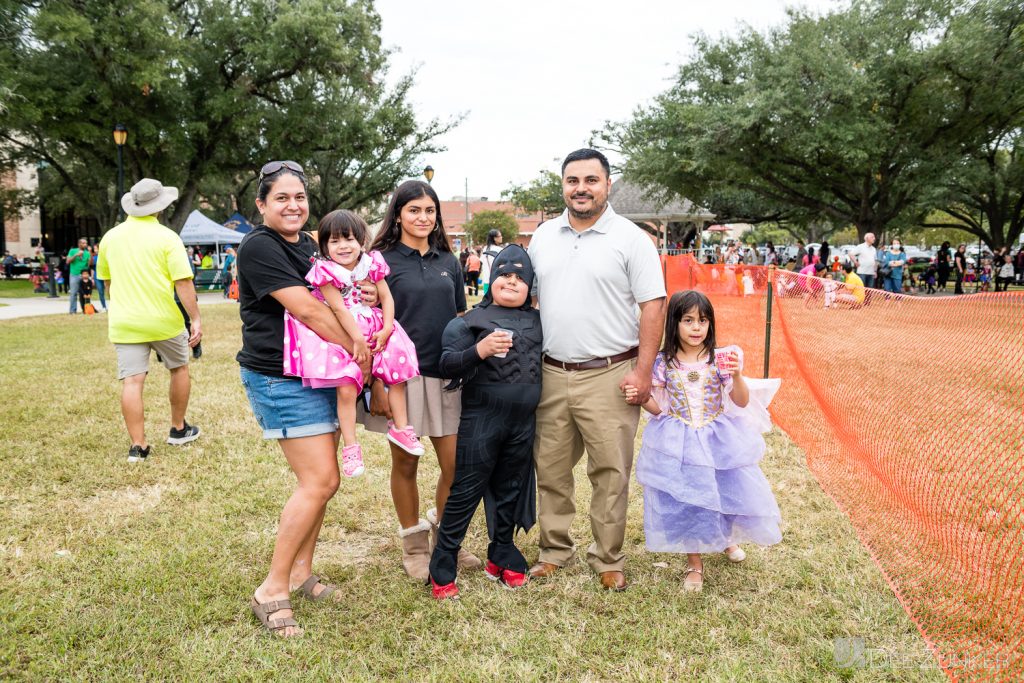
593	363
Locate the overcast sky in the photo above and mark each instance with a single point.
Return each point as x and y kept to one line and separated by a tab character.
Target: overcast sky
535	77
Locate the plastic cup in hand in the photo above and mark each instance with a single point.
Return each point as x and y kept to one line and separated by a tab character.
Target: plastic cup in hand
722	359
509	333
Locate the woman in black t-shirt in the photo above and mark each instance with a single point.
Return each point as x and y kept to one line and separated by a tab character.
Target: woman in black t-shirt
426	282
960	266
272	264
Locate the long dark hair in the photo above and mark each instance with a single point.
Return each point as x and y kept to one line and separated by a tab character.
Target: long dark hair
678	305
341	223
391	229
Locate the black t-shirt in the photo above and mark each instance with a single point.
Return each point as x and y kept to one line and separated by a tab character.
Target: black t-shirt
428	293
267	263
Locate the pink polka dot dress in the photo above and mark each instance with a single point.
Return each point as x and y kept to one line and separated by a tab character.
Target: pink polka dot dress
322	364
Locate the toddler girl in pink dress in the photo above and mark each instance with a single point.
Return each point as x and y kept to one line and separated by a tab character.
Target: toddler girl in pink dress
337	269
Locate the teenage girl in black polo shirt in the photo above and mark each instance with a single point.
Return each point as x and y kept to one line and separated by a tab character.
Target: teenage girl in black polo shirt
426	282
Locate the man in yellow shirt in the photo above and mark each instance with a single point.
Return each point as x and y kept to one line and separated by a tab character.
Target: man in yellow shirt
144	264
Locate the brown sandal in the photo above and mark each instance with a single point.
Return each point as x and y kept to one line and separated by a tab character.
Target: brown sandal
309	584
264	611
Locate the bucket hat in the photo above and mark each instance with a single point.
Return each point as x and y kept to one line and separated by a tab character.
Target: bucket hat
148	197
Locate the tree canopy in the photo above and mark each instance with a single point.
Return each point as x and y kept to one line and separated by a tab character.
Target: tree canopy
483	222
209	90
543	194
855	117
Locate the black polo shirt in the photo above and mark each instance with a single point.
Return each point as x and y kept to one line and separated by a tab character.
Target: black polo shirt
428	294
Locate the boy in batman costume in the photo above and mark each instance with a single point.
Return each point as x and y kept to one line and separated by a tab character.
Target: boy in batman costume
494	452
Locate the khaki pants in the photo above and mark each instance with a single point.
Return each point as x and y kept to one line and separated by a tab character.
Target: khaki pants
584	410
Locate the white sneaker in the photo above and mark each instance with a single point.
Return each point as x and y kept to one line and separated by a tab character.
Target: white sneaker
736	554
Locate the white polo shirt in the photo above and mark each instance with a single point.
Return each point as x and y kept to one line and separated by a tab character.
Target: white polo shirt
589	285
866	256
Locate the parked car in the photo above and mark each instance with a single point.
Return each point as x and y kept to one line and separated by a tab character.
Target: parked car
843	251
917	256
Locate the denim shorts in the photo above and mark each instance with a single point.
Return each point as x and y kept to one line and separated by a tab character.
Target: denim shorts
287	410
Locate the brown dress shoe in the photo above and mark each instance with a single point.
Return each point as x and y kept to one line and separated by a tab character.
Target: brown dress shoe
543	570
613	581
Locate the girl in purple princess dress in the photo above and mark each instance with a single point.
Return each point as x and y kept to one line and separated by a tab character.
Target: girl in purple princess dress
703	489
376	336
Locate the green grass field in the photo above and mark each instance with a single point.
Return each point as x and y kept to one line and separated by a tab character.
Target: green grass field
19	288
112	571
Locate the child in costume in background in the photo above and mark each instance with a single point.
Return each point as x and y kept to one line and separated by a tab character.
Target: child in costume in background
986	274
500	379
376	336
703	489
85	288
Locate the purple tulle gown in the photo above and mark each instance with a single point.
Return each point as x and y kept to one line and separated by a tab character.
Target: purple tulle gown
703	488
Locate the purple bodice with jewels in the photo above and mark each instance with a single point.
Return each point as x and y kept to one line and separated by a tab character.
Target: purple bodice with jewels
693	392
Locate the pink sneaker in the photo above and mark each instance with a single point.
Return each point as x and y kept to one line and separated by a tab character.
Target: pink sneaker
352	460
405	439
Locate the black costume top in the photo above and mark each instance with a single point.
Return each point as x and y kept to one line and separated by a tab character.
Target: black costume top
503	391
522	365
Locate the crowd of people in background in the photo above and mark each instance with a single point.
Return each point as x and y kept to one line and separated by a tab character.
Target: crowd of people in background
476	262
75	274
889	268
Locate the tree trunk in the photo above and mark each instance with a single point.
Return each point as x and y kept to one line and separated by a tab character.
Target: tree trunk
183	207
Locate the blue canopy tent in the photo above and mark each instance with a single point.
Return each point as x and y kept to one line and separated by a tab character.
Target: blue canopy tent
238	223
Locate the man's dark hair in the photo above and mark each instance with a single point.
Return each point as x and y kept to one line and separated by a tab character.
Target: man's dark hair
585	154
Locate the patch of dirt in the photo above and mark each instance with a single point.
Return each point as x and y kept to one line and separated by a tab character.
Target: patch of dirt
117	504
350	549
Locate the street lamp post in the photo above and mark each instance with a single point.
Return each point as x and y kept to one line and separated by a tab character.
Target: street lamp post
977	262
120	136
428	173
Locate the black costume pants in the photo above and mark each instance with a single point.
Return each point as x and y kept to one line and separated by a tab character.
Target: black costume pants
493	457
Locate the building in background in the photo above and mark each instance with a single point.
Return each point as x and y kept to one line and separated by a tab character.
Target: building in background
56	232
21	234
454	216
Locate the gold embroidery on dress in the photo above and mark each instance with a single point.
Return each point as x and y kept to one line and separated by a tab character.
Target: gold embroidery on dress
703	419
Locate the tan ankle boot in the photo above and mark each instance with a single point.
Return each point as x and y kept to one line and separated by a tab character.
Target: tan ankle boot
467	560
416	550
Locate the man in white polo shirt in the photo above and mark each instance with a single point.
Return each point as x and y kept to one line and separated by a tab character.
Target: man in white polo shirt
601	295
864	257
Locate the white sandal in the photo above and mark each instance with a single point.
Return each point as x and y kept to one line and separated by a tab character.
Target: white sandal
735	555
693	586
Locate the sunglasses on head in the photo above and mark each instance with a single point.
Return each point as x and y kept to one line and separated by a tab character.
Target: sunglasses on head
272	167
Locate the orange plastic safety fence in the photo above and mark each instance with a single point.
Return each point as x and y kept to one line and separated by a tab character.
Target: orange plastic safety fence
911	413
